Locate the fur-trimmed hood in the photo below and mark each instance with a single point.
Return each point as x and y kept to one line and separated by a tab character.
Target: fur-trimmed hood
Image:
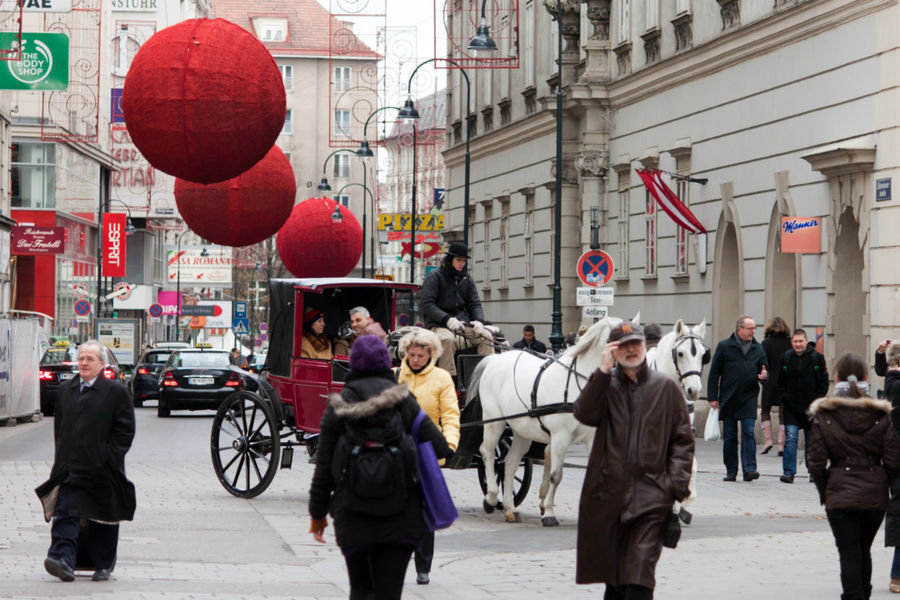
835	402
390	397
855	415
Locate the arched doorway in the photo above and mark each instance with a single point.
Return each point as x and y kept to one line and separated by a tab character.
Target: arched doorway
781	277
728	287
849	305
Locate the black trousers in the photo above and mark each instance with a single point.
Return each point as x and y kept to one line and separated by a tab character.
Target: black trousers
854	531
377	573
102	539
628	592
425	553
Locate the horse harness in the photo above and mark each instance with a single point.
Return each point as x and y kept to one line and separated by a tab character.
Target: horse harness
678	341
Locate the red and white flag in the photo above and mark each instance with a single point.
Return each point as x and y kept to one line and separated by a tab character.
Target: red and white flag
657	183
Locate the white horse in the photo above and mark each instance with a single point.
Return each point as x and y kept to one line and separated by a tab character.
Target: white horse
681	354
505	383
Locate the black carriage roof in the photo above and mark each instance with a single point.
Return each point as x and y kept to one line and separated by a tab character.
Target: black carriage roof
318	284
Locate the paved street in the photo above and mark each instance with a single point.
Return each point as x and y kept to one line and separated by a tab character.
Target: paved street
191	539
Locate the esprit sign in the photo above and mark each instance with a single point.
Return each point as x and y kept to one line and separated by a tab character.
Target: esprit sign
37	6
114	244
28	239
42	65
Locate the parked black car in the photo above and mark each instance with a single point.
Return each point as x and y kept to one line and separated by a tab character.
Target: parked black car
199	379
59	364
145	376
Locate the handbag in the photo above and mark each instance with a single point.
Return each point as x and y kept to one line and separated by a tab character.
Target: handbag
671	531
712	432
438	510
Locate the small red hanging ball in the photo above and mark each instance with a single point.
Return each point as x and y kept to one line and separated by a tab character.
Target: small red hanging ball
244	210
312	243
203	100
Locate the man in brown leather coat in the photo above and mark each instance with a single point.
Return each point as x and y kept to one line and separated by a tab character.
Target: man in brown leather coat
639	465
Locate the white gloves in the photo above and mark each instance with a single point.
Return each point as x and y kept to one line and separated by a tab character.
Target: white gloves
455	325
478	328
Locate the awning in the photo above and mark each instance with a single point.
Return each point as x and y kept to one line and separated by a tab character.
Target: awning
657	182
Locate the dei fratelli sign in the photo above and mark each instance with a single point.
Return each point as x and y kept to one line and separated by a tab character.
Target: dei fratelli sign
43	62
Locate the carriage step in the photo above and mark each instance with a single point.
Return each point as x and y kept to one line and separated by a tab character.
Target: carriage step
287	458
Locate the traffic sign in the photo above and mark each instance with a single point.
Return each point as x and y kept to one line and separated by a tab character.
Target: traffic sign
80	290
82	308
241	325
121	291
595	312
258	342
263	326
155	310
263	336
595	268
589	296
240	309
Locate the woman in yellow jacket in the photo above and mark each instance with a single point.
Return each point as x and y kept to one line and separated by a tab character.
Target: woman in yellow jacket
434	390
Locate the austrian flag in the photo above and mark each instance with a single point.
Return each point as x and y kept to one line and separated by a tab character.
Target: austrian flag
657	183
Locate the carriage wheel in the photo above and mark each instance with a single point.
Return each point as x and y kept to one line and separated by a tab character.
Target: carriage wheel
245	444
522	480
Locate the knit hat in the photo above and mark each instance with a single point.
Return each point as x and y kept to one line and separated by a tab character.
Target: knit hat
369	354
310	315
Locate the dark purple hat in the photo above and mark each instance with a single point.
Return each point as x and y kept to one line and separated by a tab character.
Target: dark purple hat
625	332
369	354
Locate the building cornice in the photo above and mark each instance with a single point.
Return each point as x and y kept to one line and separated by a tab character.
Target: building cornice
737	46
506	137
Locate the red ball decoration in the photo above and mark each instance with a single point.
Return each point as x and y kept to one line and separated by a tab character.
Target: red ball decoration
244	210
203	100
313	244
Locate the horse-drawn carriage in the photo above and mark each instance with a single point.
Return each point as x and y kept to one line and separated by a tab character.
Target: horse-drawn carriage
254	433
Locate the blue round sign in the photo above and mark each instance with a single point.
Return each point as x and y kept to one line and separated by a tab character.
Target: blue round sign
155	310
595	268
82	308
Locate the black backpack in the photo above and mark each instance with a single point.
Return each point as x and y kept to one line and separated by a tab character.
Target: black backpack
375	463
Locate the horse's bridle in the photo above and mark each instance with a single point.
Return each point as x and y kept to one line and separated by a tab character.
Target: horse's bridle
680	340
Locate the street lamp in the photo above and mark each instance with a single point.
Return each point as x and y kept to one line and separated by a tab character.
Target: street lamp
409	112
129	229
482	39
129	226
323	185
363	186
556	334
178	283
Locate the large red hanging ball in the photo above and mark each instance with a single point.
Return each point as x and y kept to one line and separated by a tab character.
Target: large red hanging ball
313	244
244	210
203	100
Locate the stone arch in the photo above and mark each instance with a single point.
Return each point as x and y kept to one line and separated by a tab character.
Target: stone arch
728	273
782	270
848	300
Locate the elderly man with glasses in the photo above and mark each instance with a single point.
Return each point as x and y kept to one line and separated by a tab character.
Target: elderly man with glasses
738	369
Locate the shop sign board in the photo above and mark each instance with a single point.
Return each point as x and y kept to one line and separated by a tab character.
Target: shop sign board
43	62
30	239
114	244
121	337
37	6
212	270
590	296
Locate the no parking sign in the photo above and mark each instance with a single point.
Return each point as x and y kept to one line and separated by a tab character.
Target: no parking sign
595	268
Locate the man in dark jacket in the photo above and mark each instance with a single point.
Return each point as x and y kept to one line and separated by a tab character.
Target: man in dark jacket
529	341
452	309
640	464
93	430
802	377
737	369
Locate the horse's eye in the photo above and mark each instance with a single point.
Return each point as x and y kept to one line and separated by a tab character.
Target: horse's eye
680	353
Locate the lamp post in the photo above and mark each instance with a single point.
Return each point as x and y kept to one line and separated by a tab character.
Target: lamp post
556	334
129	229
178	287
409	112
482	40
363	186
365	153
323	185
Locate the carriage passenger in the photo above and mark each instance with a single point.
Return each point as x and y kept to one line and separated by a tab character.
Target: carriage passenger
434	391
361	323
452	309
315	344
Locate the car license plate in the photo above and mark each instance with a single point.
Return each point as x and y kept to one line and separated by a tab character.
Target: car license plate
66	376
200	380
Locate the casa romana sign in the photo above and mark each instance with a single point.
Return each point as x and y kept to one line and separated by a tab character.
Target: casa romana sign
43	62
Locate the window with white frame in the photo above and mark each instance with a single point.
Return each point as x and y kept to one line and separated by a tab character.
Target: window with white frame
341	79
528	44
270	30
33	175
288	126
681	234
651	14
623	229
504	251
341	166
287	76
341	123
650	235
343	201
682	6
529	241
487	249
623	23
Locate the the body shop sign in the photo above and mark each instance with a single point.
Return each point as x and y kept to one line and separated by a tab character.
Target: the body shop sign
114	244
198	270
801	235
43	63
29	239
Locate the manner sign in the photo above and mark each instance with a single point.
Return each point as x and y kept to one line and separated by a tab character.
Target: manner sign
42	65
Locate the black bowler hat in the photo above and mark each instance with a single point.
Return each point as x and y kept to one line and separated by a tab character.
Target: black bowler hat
458	250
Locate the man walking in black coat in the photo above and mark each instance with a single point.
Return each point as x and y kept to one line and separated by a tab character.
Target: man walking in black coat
451	307
93	430
738	368
802	377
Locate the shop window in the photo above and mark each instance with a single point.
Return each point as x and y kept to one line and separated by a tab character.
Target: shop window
33	176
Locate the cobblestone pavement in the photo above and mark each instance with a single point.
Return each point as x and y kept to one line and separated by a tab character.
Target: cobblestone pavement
191	539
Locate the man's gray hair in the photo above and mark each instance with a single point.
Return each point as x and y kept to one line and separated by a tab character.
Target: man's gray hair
100	351
892	354
362	310
741	319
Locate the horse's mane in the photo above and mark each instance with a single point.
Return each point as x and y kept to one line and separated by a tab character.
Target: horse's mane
598	332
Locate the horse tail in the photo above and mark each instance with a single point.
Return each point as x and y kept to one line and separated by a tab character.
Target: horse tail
472	388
